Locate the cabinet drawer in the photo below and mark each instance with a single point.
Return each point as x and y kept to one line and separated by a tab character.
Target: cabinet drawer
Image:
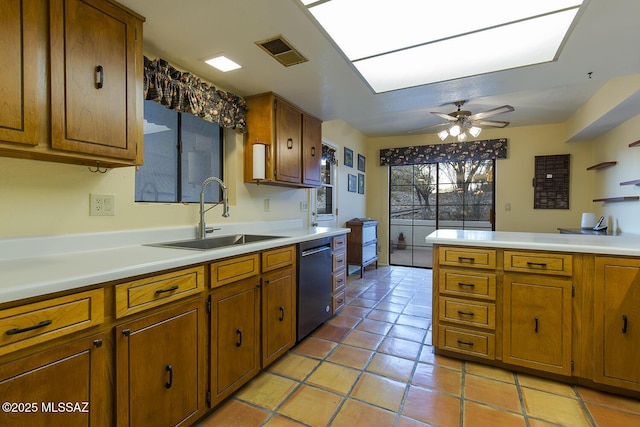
337	302
369	252
468	284
278	258
369	233
478	314
339	261
140	295
539	262
479	344
467	257
38	322
339	243
339	280
234	269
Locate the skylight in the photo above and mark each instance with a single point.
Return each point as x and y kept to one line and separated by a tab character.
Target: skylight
396	44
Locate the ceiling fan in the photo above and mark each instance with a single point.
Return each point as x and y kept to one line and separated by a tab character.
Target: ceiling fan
462	121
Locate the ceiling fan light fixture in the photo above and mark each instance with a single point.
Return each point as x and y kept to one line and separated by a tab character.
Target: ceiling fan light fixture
475	131
462	137
455	130
443	134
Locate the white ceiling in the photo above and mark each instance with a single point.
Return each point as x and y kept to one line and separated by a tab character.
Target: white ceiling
603	45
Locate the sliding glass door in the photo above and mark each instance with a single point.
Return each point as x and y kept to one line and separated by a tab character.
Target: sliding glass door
431	196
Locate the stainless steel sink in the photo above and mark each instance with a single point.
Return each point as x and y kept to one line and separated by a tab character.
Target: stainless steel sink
215	242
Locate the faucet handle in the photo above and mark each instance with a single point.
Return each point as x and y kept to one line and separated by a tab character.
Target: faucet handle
211	229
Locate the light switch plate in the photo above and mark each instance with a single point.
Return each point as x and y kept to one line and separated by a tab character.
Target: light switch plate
102	204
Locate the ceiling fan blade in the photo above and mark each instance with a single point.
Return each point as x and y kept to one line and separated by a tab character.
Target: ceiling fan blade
491	123
444	116
428	128
492	112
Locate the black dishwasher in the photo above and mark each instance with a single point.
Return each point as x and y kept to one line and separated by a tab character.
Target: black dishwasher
314	285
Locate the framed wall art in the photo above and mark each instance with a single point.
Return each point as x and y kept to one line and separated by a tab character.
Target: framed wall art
348	157
361	162
361	183
352	183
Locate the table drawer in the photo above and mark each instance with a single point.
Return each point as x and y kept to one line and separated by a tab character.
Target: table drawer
467	257
478	314
278	258
479	344
42	321
339	261
337	302
339	280
139	295
234	269
339	243
538	262
467	284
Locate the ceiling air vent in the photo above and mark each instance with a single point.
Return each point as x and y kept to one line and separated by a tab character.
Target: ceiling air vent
279	48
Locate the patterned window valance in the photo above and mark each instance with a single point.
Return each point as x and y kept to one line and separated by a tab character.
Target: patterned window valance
454	152
187	93
329	154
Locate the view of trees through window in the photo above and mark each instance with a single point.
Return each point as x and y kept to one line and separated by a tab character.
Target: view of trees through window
431	196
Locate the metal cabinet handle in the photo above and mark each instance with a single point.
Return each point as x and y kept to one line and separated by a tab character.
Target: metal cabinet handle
42	324
466	313
536	327
171	289
466	258
281	314
169	383
465	342
239	340
470	285
313	151
537	264
624	324
99	77
289	143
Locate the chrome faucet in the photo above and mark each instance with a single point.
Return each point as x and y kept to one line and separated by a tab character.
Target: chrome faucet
225	201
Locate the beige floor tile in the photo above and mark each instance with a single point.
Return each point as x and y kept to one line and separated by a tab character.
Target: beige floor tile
330	332
379	391
363	339
355	311
234	413
267	390
363	302
314	347
294	366
489	372
607	417
389	306
492	392
476	415
311	406
358	414
432	407
279	421
391	366
354	357
401	348
428	356
554	408
408	422
438	378
416	321
374	326
344	320
540	423
544	384
410	333
332	377
383	316
611	400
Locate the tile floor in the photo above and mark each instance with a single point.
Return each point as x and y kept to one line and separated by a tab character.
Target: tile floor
372	365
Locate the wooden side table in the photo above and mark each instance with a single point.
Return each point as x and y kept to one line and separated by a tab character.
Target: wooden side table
362	243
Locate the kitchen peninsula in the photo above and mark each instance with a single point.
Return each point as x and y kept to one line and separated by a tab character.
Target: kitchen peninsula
557	305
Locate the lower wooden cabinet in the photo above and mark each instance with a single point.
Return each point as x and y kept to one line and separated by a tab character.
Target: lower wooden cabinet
160	367
278	314
617	322
67	385
235	336
537	323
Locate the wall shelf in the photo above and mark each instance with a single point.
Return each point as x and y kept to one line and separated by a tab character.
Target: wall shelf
634	182
618	199
635	144
602	165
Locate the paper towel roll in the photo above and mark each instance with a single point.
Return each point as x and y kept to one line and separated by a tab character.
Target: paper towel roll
588	220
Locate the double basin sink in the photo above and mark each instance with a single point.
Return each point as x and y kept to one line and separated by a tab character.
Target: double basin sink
216	242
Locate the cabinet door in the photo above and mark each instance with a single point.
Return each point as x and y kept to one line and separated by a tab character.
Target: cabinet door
278	314
95	46
617	322
23	72
160	367
288	144
311	150
537	323
75	372
235	328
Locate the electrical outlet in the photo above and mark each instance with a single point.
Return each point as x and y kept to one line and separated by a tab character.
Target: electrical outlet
102	204
304	206
507	207
267	205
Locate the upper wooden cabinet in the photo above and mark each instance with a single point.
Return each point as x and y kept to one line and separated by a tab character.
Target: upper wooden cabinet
293	142
90	64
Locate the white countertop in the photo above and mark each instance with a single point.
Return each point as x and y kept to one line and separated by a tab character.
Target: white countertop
37	266
581	243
